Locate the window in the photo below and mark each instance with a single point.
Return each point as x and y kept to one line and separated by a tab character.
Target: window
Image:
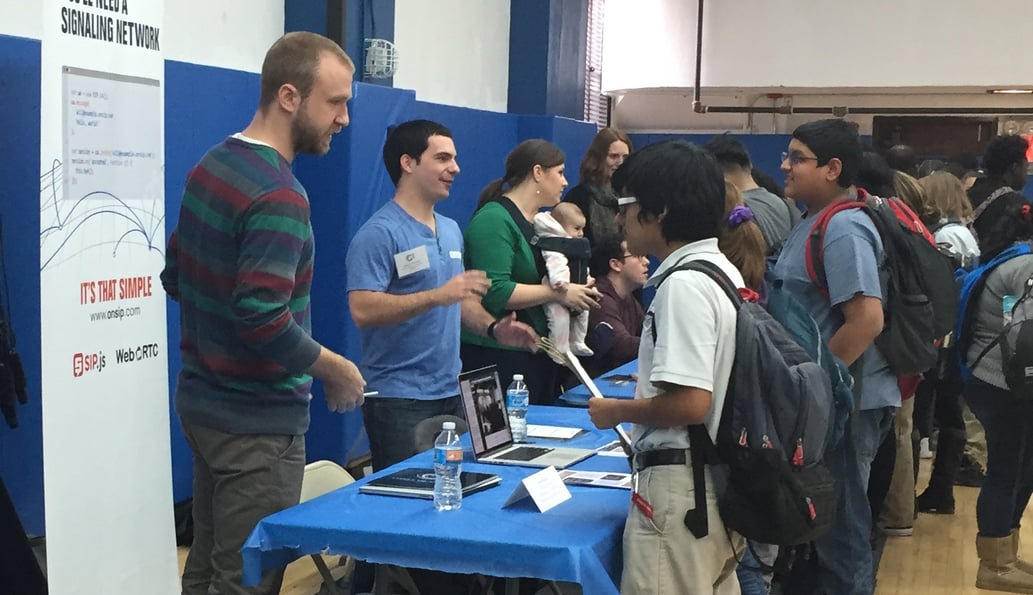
597	105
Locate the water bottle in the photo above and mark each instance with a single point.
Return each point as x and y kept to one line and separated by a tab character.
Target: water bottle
516	406
448	465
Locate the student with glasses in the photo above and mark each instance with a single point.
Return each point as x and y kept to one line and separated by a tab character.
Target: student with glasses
820	167
615	328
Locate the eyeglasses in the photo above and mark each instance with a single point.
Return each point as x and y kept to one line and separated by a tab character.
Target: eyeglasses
624	202
796	157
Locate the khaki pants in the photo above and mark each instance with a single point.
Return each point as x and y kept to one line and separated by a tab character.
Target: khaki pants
661	556
898	510
975	437
238	480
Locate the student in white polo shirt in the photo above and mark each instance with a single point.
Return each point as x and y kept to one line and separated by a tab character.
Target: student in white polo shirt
673	208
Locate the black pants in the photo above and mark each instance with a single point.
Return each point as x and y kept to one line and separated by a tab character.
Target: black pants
19	572
938	399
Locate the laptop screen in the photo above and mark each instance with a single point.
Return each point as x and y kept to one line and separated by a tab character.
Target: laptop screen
485	410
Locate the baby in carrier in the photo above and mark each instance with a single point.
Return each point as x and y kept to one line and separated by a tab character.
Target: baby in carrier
560	237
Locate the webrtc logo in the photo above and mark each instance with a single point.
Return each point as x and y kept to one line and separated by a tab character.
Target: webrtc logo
87	362
135	354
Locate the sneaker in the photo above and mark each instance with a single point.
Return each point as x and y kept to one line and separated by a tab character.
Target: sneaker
923	449
898	531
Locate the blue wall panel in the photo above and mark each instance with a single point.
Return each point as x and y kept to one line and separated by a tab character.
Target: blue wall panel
528	56
194	122
21	448
547	57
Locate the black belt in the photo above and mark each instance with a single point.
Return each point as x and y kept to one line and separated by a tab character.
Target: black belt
701	452
667	456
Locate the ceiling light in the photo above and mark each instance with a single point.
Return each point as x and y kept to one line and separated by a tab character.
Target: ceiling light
1010	91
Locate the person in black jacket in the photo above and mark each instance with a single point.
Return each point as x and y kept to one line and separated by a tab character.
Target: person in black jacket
1004	165
593	195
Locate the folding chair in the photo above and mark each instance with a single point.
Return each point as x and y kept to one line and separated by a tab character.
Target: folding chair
322	477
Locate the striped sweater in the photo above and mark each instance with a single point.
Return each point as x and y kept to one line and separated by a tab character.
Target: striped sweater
240	266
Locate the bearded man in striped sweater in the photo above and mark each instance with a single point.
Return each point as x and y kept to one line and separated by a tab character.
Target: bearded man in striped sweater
240	266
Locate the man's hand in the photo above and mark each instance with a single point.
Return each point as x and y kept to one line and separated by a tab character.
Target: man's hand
344	391
462	286
509	331
605	413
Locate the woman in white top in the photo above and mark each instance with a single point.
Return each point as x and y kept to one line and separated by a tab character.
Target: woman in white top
949	212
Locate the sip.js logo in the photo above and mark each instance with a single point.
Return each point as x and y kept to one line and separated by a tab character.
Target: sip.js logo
87	362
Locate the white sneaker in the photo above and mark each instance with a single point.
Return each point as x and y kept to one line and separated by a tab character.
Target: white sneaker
923	449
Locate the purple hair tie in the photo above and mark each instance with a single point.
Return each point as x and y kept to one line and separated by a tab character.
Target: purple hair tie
740	214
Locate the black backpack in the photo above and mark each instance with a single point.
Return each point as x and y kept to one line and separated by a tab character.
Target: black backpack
921	298
767	465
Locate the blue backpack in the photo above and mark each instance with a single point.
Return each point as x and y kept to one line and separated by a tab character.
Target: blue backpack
802	328
1015	339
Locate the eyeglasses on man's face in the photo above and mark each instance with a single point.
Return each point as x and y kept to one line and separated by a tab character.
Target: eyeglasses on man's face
796	157
624	202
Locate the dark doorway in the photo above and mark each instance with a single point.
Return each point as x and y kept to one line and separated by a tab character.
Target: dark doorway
933	137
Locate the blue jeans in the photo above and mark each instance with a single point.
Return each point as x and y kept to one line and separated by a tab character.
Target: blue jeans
1009	455
845	552
753	578
390	423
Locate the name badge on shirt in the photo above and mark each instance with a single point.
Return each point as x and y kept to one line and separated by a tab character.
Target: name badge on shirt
412	261
455	254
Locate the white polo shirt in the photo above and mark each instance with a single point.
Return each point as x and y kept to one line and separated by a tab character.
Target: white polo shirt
695	340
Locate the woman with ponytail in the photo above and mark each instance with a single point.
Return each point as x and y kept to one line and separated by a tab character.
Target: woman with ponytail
497	242
1008	420
742	241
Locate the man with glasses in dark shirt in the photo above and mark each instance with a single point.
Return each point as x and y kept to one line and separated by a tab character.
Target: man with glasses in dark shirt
615	327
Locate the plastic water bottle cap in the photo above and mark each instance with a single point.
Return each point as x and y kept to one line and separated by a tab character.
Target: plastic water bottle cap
448	425
518	377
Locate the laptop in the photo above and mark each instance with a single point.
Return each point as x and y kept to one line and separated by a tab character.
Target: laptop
481	394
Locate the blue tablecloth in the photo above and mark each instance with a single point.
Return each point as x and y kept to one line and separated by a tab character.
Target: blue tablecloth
577	541
620	389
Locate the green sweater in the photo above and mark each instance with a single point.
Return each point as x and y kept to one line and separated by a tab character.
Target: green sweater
495	245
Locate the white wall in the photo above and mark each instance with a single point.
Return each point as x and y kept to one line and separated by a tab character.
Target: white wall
225	33
454	52
22	19
853	53
817	43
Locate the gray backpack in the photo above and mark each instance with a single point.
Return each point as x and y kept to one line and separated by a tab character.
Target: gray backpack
771	483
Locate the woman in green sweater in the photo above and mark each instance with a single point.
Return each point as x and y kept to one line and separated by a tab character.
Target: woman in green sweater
496	242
